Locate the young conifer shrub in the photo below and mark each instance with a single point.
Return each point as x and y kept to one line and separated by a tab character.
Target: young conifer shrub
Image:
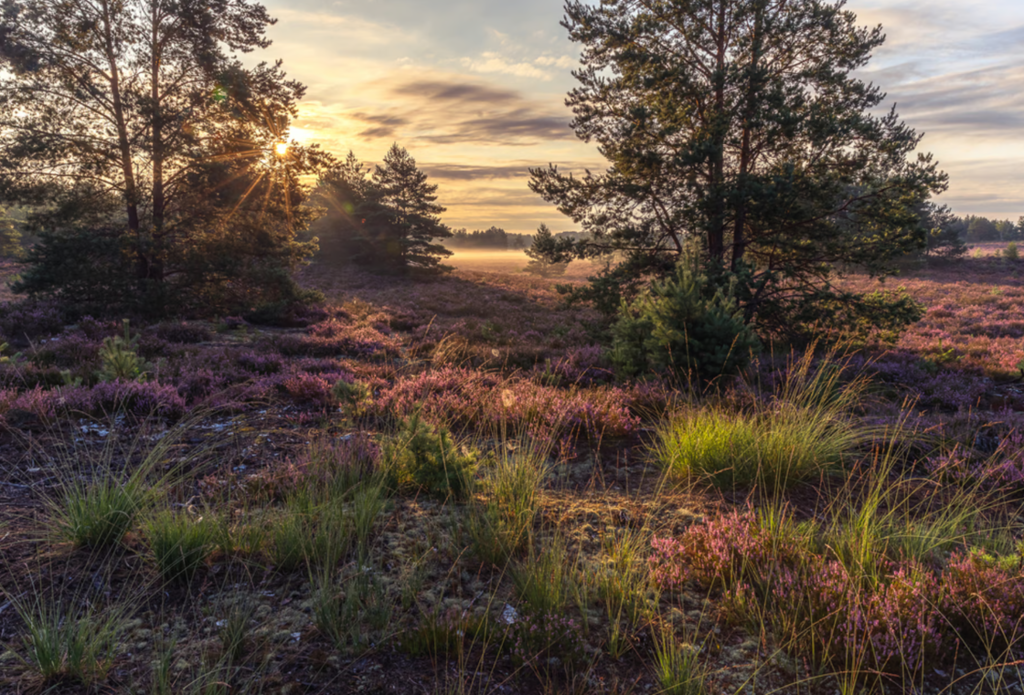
686	326
421	456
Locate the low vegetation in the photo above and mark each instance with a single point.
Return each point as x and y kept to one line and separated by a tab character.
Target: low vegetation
408	491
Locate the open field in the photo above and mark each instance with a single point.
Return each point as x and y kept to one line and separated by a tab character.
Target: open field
511	262
441	487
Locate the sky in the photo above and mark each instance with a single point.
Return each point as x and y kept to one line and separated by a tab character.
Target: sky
475	90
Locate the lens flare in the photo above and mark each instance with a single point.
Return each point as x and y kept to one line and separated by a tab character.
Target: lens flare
281	149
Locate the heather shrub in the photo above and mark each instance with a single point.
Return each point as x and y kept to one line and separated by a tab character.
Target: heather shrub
686	326
737	548
69	350
863	629
27	320
183	332
141	399
1001	470
464	398
426	457
335	337
309	389
258	363
983	600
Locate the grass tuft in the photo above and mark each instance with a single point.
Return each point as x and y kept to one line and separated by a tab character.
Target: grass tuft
179	544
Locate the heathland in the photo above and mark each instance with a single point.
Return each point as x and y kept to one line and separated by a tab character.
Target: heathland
442	486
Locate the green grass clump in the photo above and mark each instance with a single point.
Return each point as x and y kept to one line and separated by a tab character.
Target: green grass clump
676	667
97	509
320	538
63	644
98	514
548	581
799	433
419	456
179	544
354	615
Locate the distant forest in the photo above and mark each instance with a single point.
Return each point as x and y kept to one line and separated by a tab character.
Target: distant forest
493	238
974	229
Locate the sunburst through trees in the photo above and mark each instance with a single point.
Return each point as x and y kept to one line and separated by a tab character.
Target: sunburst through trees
158	164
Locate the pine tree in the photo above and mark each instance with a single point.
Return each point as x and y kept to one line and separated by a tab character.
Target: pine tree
741	125
387	220
402	188
539	264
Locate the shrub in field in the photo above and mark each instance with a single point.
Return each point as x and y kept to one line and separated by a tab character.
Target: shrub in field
823	608
867	618
309	389
119	357
465	398
27	320
352	395
335	337
142	399
735	548
421	456
686	326
1011	253
1002	470
183	332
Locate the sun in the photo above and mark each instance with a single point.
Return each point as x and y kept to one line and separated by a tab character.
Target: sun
281	149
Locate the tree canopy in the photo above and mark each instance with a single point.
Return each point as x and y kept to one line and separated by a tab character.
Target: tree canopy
133	124
737	126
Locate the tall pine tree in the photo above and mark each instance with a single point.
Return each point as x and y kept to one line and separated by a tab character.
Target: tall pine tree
740	126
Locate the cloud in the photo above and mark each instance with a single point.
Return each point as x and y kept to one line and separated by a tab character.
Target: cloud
471	172
443	111
986	102
564	62
490	62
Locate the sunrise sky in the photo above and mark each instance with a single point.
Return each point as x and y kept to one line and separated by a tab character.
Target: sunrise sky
475	90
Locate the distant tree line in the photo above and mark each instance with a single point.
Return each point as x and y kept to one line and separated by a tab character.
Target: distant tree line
492	238
949	234
978	229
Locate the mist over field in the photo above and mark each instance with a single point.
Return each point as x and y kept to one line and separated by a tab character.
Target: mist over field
511	261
